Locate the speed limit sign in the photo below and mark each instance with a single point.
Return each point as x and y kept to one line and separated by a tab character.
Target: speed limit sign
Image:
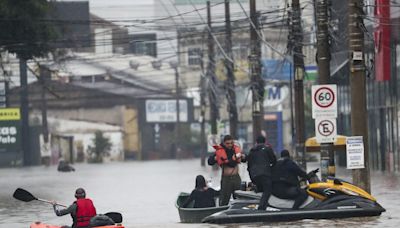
324	101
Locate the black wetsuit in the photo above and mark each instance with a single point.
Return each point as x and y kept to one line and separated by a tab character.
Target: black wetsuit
202	198
286	183
260	160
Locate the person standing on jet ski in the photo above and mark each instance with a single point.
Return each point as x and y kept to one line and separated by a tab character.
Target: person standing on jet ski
286	184
259	161
81	211
228	156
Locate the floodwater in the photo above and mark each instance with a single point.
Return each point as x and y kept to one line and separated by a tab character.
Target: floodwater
145	193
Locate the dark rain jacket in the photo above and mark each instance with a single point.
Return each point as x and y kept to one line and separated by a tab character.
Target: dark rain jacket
288	172
260	160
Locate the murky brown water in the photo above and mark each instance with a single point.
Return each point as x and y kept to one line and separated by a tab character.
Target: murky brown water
145	192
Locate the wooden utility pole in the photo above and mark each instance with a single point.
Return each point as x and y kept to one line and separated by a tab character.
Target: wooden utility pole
323	61
212	81
298	64
257	82
359	124
230	81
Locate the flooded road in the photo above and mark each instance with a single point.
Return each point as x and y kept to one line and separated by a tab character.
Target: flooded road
145	193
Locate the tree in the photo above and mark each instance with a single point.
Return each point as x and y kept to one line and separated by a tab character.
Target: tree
102	145
25	30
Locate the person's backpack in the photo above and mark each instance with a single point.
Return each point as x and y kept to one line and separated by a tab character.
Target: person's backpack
101	220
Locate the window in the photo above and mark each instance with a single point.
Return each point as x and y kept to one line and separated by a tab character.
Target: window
144	44
194	56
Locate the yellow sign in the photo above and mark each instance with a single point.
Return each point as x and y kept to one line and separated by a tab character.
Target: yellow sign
9	114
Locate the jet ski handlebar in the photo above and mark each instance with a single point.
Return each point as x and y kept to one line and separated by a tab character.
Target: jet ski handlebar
312	176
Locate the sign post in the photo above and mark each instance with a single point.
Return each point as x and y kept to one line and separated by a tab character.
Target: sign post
324	111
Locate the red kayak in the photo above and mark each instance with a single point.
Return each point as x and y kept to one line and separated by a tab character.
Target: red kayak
42	225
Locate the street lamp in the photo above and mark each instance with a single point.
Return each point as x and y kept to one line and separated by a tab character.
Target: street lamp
174	65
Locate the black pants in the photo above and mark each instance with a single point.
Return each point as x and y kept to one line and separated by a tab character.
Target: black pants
263	184
286	191
229	184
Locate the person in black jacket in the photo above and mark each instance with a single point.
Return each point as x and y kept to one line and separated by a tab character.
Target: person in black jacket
259	162
202	195
286	184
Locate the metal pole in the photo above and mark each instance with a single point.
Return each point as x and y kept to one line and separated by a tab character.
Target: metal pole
298	61
212	87
27	157
230	82
361	177
44	76
177	136
257	82
323	61
203	142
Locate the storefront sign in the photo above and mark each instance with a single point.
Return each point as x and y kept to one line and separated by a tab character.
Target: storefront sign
9	129
164	111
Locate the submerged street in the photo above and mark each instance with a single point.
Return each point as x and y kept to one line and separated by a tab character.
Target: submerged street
145	193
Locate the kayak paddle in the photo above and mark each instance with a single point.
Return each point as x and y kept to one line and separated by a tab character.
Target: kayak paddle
23	195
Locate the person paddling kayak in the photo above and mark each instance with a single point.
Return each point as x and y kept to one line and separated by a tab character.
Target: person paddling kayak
81	211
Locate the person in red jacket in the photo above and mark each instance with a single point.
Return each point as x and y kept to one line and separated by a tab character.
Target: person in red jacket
81	211
228	156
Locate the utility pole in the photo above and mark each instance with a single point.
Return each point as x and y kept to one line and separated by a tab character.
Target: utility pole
44	76
323	61
203	141
298	64
212	84
257	82
27	156
361	177
174	65
230	81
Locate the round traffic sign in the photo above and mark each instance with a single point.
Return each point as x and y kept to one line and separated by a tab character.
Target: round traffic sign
326	128
324	97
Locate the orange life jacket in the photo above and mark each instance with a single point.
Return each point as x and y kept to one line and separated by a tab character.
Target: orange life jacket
222	157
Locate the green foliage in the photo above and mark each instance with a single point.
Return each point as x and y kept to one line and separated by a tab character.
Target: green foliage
102	145
25	28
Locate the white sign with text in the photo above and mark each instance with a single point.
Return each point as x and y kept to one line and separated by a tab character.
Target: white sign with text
324	101
325	130
355	152
164	111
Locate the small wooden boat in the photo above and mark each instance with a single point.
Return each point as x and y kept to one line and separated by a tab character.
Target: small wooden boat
194	215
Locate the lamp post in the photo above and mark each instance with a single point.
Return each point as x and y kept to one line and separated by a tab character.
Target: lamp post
174	65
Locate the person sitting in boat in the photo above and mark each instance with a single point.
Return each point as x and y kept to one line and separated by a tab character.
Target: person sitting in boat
259	161
202	195
228	156
286	184
81	211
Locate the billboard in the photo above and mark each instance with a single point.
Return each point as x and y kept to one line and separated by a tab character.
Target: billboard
10	127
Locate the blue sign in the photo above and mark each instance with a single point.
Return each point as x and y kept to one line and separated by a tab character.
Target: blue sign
276	69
